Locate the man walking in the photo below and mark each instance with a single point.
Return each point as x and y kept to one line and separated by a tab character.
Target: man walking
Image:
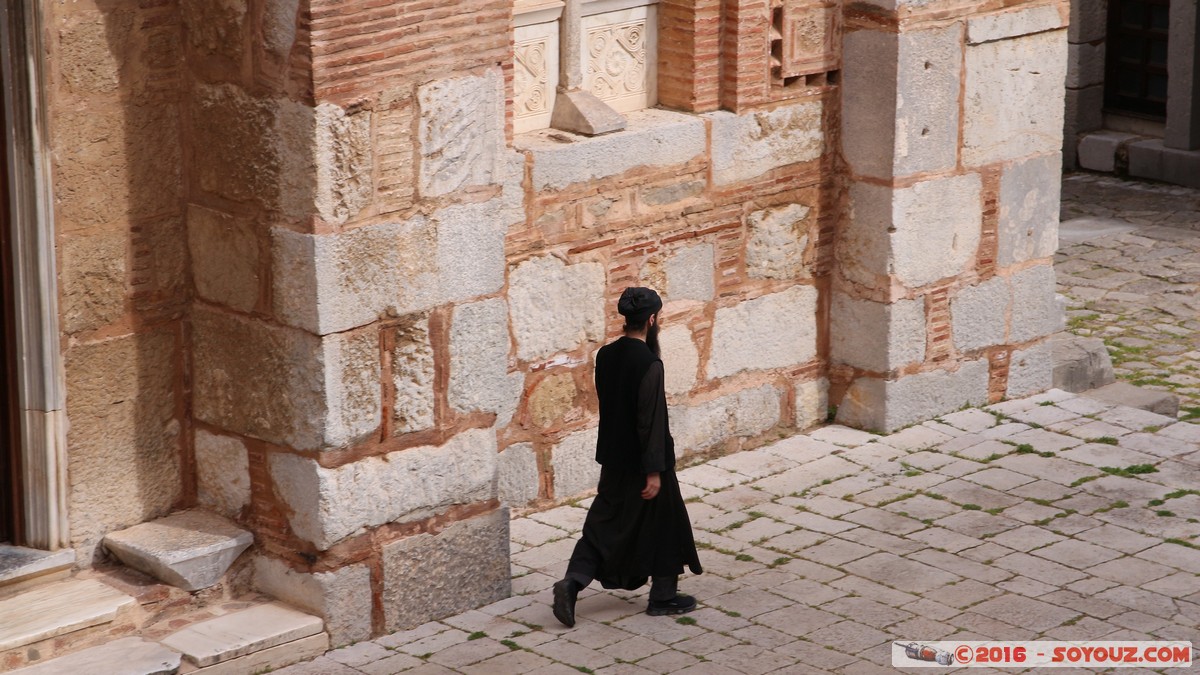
637	526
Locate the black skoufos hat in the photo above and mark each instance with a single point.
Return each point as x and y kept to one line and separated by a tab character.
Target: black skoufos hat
638	303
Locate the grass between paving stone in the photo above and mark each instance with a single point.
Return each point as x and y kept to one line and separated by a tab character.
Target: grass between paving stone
1129	471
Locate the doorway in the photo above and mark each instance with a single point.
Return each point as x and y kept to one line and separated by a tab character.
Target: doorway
1135	81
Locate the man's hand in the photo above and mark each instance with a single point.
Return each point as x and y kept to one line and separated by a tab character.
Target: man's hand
653	483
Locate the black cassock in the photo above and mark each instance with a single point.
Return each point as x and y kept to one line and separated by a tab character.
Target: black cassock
627	539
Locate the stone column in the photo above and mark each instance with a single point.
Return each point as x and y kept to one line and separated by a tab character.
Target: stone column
943	287
1183	78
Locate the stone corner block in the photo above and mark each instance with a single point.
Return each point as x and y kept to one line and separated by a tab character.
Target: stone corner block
749	145
772	331
937	227
977	314
327	505
1030	370
887	405
1029	209
432	576
1035	308
342	597
189	550
877	336
1013	23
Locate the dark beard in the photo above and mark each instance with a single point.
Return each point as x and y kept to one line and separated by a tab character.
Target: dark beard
652	340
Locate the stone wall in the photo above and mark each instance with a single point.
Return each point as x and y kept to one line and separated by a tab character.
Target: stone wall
385	306
943	293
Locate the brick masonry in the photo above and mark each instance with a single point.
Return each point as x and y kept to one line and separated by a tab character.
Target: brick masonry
336	184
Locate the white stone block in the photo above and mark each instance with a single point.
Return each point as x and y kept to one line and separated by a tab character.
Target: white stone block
937	228
574	317
1030	371
343	162
978	314
777	240
1013	23
328	505
460	130
518	478
1014	105
863	248
352	386
189	550
479	358
886	405
681	359
651	138
413	378
222	473
746	413
125	656
574	464
1029	209
812	403
876	336
690	273
470	249
749	145
342	597
773	331
243	632
1035	312
929	66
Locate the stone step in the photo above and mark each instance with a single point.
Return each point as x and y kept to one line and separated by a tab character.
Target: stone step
58	608
190	550
19	564
127	656
267	660
1123	393
235	635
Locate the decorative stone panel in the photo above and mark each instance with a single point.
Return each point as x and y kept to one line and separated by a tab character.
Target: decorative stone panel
535	75
460	130
806	38
620	57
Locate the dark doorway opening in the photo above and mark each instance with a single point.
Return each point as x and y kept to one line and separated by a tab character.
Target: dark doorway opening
1136	57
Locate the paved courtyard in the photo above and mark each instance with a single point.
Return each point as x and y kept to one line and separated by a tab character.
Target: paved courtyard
1055	517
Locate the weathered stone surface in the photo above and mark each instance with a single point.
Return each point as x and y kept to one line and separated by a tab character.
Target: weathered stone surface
576	316
1031	370
47	610
1123	393
917	74
777	241
239	633
864	248
772	331
876	336
937	228
690	273
461	132
1085	65
279	25
332	385
1014	98
747	146
431	576
1013	23
517	479
88	60
344	162
812	403
115	164
123	443
189	550
653	137
412	377
977	314
479	361
215	27
225	258
885	405
1035	312
680	358
1089	21
342	597
1029	200
222	473
470	246
127	656
327	504
552	399
574	463
1080	363
92	281
746	413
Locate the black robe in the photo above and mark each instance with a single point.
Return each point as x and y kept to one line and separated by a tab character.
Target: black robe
627	539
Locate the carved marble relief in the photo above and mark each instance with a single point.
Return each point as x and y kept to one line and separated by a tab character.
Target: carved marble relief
535	77
804	38
619	57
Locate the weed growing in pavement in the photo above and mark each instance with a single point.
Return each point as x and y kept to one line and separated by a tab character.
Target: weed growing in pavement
1131	470
1107	440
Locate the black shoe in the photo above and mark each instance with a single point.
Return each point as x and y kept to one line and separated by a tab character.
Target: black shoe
565	594
680	604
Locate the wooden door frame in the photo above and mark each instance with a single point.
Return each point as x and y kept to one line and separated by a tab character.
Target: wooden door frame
38	383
